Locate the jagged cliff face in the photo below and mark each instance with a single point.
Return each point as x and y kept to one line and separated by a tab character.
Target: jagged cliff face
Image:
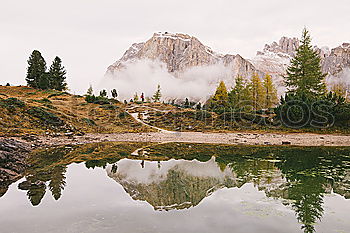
180	52
337	60
275	58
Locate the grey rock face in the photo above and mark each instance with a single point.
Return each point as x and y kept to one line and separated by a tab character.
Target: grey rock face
285	46
275	58
337	60
180	52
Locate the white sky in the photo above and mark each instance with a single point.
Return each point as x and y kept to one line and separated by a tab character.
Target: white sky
89	35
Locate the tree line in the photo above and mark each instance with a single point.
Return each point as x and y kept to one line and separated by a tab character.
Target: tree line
307	102
39	77
247	93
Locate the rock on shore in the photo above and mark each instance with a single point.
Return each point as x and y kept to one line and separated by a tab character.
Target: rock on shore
12	162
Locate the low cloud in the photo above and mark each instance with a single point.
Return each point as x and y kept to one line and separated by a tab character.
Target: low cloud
143	76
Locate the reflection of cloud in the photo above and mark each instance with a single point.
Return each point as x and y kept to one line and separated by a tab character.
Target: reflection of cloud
174	184
144	76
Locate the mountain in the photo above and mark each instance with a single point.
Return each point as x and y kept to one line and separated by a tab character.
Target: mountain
185	67
180	52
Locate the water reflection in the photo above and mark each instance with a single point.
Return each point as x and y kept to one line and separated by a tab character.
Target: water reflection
179	176
173	184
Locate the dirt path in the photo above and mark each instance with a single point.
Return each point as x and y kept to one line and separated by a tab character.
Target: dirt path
198	137
144	114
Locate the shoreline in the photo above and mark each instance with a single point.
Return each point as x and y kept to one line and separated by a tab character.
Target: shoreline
274	139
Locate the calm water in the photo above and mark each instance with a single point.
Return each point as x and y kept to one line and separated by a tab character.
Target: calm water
181	188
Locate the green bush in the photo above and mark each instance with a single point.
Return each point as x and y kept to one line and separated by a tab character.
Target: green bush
12	103
109	107
58	94
45	117
97	99
43	101
298	111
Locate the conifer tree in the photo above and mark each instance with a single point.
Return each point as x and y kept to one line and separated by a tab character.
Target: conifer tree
57	75
103	93
220	98
114	93
36	68
270	92
43	82
304	75
257	91
157	95
187	103
240	94
90	91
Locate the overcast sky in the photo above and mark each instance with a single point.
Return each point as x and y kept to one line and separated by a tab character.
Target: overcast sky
89	35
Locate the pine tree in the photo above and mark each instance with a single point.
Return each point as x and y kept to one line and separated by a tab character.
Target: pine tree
57	75
43	82
187	103
220	98
270	92
257	91
36	68
103	93
90	91
114	93
304	75
157	95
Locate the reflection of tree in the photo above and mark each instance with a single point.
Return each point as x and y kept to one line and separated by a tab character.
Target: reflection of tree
305	172
308	200
36	193
36	183
57	182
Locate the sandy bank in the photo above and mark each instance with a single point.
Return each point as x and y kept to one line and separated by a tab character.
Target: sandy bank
198	137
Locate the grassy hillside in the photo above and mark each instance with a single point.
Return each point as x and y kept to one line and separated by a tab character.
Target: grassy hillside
25	110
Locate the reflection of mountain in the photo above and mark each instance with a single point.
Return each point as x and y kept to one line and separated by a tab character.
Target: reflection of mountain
174	184
300	177
178	184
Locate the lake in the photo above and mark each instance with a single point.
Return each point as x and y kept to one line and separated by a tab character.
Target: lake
180	187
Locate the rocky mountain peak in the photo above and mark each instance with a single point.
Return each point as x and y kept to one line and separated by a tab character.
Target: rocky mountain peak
284	46
181	52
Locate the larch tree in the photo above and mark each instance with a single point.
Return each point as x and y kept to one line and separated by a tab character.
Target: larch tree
340	89
36	68
270	92
304	75
136	97
57	74
257	92
157	95
220	98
